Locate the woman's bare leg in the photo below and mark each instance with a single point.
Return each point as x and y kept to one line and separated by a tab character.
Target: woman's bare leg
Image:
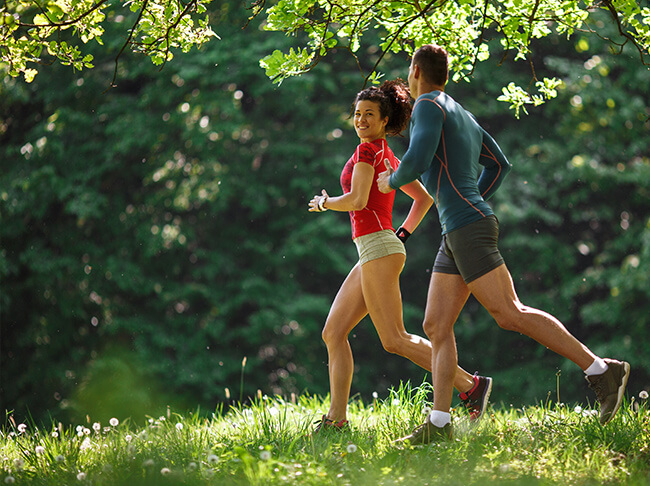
381	291
346	312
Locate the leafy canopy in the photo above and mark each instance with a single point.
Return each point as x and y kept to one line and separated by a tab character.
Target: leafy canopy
34	32
470	30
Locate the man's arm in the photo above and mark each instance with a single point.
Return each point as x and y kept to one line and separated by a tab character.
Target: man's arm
427	120
495	164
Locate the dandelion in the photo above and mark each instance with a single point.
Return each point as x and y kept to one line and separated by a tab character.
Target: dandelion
192	466
85	444
643	395
426	411
578	409
395	402
22	428
86	431
352	448
114	422
179	426
10	480
59	458
128	437
19	464
55	434
148	463
97	427
81	476
213	459
265	455
39	449
165	471
375	395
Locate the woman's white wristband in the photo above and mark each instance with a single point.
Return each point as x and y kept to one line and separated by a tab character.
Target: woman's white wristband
321	204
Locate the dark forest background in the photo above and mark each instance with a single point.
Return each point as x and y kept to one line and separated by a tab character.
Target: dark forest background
156	249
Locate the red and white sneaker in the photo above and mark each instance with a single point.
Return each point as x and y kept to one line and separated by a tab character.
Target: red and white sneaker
476	399
328	424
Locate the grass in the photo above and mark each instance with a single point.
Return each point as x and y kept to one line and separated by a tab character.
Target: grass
269	443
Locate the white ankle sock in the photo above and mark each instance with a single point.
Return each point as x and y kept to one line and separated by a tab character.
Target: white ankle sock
598	367
439	419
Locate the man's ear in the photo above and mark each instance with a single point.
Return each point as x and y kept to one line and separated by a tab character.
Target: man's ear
416	71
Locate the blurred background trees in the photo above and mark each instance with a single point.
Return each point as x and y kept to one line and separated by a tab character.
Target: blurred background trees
156	248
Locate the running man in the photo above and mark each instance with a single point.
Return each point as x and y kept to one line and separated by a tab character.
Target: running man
447	147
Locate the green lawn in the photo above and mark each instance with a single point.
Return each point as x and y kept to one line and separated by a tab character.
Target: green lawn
269	443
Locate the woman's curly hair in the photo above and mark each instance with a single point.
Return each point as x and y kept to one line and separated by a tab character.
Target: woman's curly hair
394	101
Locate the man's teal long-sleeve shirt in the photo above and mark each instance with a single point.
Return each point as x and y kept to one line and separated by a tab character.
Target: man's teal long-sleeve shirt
447	147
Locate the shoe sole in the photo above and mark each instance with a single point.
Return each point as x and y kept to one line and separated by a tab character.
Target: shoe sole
621	391
486	399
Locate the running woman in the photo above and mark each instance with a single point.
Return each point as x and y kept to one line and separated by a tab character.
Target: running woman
372	286
447	147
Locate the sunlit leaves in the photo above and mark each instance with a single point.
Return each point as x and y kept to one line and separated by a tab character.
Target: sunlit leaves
466	28
152	27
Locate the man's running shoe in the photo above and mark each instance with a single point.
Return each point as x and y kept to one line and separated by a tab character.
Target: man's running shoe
476	399
610	387
426	433
328	424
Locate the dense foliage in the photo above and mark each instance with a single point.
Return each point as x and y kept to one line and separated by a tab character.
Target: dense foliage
472	32
156	248
46	31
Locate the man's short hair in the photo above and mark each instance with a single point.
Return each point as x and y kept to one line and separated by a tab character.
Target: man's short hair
432	61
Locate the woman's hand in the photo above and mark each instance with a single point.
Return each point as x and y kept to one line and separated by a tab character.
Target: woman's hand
317	204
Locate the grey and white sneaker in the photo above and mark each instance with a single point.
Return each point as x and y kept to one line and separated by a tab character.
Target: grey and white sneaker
610	387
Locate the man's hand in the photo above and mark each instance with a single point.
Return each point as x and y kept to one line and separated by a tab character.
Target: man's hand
383	178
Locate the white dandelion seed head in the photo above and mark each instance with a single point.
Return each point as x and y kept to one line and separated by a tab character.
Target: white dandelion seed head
165	471
97	426
578	409
179	426
352	448
213	459
22	428
128	437
148	463
643	395
265	455
395	402
79	428
86	444
114	422
274	411
19	464
426	411
39	449
81	476
10	480
55	434
375	395
86	431
192	466
59	458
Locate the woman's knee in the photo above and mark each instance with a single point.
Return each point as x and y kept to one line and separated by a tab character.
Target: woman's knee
392	344
332	334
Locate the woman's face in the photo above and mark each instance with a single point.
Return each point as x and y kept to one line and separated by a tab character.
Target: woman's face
368	122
